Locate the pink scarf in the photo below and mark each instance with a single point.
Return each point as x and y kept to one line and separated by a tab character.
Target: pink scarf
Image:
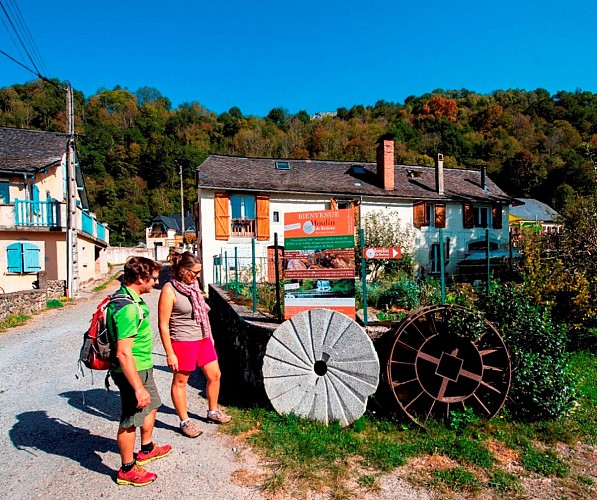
200	307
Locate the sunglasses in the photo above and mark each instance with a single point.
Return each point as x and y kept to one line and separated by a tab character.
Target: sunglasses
194	273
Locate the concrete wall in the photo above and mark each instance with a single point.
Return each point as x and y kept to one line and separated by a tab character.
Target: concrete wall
119	255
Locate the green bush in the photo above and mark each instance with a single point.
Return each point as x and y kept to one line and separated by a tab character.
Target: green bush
403	293
54	304
542	386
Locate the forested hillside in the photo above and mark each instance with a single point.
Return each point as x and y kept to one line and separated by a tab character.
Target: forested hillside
131	144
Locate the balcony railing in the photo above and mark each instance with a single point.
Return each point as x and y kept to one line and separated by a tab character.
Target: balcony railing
243	228
51	214
87	223
37	213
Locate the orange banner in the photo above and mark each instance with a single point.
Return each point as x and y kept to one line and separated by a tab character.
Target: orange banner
319	223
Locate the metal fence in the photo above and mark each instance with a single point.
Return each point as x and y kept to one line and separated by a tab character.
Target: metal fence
247	276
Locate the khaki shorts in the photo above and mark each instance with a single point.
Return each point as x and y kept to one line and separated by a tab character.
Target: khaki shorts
131	416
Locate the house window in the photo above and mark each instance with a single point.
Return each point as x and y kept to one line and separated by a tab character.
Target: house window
241	216
434	256
276	217
242	209
23	258
429	214
482	216
4	193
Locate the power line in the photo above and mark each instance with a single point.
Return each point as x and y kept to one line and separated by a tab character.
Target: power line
21	64
20	21
16	32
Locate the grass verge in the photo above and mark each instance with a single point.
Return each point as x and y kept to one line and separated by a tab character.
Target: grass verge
13	320
466	457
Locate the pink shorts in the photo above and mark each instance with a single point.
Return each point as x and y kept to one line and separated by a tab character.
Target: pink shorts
193	354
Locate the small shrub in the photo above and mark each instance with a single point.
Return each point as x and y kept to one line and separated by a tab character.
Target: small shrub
403	294
542	386
54	304
459	420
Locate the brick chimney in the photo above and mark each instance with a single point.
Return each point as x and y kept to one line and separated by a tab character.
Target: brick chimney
385	164
439	173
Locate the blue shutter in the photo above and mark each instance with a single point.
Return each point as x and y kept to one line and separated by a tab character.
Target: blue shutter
31	258
35	199
4	195
15	258
249	202
235	203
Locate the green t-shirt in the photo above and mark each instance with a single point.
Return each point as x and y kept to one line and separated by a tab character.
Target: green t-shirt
123	322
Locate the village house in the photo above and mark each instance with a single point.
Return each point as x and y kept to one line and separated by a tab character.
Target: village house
244	198
166	231
37	235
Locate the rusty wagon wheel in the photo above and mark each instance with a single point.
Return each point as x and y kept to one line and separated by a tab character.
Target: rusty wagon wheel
444	359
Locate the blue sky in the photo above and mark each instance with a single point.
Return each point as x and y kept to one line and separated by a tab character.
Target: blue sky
308	55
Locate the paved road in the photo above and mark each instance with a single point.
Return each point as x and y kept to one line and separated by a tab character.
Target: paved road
57	433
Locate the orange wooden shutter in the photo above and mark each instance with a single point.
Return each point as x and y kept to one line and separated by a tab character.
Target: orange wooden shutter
222	211
496	216
468	217
333	204
440	215
419	213
262	217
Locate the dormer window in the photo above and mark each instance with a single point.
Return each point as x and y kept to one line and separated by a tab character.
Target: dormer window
357	169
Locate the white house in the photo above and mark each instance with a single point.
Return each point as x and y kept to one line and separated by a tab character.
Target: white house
244	198
33	214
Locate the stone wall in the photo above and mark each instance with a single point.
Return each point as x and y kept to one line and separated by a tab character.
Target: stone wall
241	338
29	302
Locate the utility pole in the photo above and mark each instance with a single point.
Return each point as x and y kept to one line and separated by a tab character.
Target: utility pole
182	205
72	269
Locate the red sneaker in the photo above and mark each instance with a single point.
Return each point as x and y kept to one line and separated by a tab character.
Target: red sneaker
157	452
137	476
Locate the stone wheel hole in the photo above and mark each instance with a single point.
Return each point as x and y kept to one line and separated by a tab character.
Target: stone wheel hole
320	367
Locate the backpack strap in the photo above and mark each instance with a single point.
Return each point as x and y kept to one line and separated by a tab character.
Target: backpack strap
115	297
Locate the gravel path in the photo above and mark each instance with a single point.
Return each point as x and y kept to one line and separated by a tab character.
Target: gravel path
58	433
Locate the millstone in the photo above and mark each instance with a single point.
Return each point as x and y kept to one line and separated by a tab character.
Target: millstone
320	365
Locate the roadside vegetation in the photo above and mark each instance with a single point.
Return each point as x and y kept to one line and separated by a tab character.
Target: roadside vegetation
503	457
13	320
541	444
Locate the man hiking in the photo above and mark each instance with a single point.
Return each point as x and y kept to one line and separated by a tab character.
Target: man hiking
128	323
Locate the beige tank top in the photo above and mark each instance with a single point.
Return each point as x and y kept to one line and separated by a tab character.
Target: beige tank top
183	327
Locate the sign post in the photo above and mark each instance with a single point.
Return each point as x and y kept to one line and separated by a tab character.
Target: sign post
382	253
319	261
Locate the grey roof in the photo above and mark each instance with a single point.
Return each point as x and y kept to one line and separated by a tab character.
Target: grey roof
174	221
533	210
29	151
338	178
